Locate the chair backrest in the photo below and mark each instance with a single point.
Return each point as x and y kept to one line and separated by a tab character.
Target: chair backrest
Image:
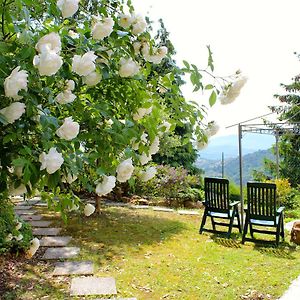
261	200
216	194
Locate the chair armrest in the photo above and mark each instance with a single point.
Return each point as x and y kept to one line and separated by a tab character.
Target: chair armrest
234	203
280	210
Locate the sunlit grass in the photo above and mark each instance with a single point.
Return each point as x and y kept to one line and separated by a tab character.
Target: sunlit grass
157	255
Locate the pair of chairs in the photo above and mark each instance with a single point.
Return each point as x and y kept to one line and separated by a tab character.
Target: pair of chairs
261	209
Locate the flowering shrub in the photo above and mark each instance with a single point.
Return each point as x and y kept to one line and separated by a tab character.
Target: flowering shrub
82	97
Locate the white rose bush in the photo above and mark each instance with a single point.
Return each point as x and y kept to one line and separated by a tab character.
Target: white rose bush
78	84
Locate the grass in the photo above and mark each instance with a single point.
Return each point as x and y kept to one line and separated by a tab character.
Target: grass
157	255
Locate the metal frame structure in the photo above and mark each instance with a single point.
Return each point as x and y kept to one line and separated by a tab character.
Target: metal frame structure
276	129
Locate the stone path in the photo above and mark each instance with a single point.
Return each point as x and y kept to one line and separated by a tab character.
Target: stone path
61	253
46	231
73	268
55	241
40	223
293	292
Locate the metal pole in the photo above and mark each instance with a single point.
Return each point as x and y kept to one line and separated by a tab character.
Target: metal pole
222	164
240	133
277	154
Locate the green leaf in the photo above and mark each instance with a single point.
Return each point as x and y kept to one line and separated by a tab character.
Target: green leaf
210	59
212	98
186	64
209	87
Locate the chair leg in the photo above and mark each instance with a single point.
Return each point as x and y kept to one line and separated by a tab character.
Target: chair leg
230	225
238	220
251	230
213	223
245	231
282	227
203	221
278	234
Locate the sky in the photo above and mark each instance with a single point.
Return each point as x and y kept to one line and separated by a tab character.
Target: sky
258	37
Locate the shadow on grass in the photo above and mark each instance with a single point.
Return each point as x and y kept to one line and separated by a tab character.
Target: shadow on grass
231	242
115	231
284	250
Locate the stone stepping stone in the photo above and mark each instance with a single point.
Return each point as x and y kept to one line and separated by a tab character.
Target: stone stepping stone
288	226
73	268
42	204
140	206
61	253
293	291
116	299
55	241
28	202
118	204
188	212
84	286
46	231
25	212
22	207
40	223
165	209
31	217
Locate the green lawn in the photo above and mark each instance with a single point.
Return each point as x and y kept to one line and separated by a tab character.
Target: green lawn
158	255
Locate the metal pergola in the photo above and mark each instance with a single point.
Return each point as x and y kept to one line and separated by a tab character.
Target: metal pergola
270	128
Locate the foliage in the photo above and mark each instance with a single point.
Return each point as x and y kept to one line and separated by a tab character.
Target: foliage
289	146
171	183
234	192
9	232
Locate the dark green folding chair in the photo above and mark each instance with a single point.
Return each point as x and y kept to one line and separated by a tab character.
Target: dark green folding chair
261	211
218	206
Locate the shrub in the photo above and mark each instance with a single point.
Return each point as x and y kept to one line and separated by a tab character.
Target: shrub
9	234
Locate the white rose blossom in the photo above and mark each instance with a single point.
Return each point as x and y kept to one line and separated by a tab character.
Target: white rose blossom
68	7
69	179
19	237
51	161
48	62
141	112
212	129
201	145
15	82
106	186
137	47
74	35
128	67
231	92
70	85
9	237
125	20
144	137
92	79
154	147
49	42
148	174
125	170
138	24
166	126
65	97
103	28
157	56
18	225
85	64
13	112
89	209
34	246
144	158
69	130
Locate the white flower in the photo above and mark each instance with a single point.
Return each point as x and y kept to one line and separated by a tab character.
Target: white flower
48	62
40	113
69	179
69	130
49	42
73	34
20	190
212	129
89	209
144	158
128	67
15	82
106	186
165	126
68	7
148	174
103	28
19	237
70	85
92	79
138	24
34	246
125	20
125	170
51	161
9	237
18	225
144	137
201	145
65	97
154	147
85	64
231	92
141	112
137	47
13	112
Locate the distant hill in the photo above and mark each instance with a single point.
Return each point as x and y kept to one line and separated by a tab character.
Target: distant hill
229	145
252	161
